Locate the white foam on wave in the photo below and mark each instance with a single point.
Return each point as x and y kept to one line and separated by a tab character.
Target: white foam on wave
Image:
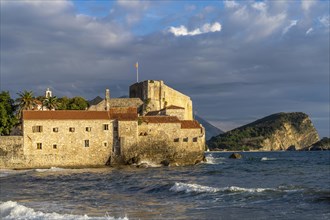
266	158
5	172
211	160
52	169
13	211
149	164
188	188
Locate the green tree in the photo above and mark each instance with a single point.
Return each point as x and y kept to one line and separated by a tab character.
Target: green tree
51	103
77	103
7	116
26	101
63	103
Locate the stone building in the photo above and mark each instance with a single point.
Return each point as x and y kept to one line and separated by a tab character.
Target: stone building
157	96
110	132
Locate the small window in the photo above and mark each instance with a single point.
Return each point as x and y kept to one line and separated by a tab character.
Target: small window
54	146
195	139
86	143
105	144
106	127
39	146
55	129
185	139
176	139
88	129
37	129
72	129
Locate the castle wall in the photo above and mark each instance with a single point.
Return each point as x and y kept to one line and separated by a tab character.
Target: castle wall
156	96
62	147
11	151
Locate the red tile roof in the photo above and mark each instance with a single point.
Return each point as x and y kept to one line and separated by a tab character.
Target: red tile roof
125	114
189	124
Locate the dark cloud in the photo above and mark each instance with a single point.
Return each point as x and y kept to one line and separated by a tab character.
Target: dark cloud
253	67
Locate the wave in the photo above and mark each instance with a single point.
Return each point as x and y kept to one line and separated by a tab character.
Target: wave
189	188
53	169
5	172
266	158
12	210
211	160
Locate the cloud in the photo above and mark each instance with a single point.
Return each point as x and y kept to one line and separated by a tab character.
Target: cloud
287	28
231	4
309	31
325	21
306	5
206	28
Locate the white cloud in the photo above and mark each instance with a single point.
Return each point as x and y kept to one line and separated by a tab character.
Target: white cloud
287	28
307	4
206	28
309	31
261	6
325	20
231	4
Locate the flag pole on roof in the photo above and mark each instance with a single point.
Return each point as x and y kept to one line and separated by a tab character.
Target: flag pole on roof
137	71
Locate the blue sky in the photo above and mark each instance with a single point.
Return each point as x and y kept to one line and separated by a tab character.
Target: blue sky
237	60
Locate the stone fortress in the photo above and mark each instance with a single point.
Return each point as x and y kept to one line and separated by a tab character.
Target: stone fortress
155	125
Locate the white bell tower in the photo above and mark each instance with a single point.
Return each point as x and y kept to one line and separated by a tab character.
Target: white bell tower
48	93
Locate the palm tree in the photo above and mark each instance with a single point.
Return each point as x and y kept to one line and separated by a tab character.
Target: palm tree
25	101
51	103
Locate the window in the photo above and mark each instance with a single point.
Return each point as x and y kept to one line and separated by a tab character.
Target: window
71	129
88	129
55	129
195	139
105	144
106	127
54	146
39	146
185	139
176	139
86	143
115	128
37	128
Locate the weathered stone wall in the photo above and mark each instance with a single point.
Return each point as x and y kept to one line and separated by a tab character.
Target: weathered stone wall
91	147
156	96
117	102
11	151
167	141
180	113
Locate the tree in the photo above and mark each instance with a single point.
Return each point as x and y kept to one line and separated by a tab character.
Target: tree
26	101
7	116
51	103
77	103
63	103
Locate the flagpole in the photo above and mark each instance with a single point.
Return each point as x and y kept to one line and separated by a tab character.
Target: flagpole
137	71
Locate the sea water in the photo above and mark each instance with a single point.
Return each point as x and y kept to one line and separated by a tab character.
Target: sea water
262	185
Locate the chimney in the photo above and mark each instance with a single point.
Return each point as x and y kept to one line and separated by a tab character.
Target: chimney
107	99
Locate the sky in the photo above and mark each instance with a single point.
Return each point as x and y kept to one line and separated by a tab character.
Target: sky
238	60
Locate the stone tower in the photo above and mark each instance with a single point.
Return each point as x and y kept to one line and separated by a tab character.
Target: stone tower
48	93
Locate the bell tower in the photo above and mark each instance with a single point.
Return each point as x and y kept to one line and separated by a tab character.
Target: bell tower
48	93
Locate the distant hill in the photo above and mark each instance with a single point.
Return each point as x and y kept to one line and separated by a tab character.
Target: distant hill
275	132
95	101
210	130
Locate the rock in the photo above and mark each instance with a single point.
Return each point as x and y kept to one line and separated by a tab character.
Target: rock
291	148
165	163
133	160
235	156
274	132
142	165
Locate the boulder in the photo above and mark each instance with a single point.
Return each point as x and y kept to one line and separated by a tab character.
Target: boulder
235	156
291	148
165	163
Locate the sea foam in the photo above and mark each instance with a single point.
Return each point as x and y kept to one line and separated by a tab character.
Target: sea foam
211	160
188	188
52	169
13	211
266	158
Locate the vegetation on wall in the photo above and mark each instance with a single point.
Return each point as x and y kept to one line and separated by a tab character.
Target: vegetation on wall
7	113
